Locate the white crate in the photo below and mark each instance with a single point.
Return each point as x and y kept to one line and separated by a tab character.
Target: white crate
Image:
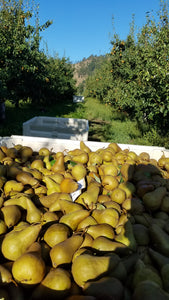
63	144
59	128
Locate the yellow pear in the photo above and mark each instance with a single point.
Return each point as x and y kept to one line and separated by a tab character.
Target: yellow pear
84	147
108	215
89	220
81	158
126	236
47	200
27	178
55	206
56	233
68	185
59	165
78	171
3	227
55	285
43	151
88	267
52	186
89	197
102	243
12	215
13	186
101	230
63	252
29	268
110	182
18	199
67	206
5	275
49	216
118	195
73	218
16	242
34	214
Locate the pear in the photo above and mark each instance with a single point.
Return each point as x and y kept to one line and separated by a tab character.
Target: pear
55	206
81	158
72	219
88	240
89	197
118	195
12	215
36	173
128	187
56	234
159	239
26	152
63	252
110	182
89	220
147	290
105	230
94	159
105	288
29	268
153	200
37	164
57	177
78	171
165	204
47	200
127	171
103	198
59	165
49	216
143	272
68	185
16	242
13	186
43	151
159	259
27	178
104	244
165	277
67	206
84	147
5	275
108	215
2	154
33	215
55	285
126	236
3	227
52	186
134	205
87	267
141	234
19	200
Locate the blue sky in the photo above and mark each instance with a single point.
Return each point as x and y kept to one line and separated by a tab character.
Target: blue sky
82	28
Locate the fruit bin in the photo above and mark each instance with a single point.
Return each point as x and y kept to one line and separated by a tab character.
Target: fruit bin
61	128
66	144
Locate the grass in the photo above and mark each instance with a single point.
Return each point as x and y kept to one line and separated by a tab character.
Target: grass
105	124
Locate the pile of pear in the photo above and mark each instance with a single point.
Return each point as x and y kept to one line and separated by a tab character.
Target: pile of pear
83	224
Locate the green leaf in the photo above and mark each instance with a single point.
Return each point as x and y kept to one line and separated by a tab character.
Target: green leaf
52	162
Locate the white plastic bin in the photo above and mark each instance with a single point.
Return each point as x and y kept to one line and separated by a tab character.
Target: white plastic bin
62	144
60	128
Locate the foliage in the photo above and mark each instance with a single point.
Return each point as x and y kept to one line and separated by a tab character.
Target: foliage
137	82
25	71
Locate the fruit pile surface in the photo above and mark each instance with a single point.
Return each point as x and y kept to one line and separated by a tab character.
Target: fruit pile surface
83	224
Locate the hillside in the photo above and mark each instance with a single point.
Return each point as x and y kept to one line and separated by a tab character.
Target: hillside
86	68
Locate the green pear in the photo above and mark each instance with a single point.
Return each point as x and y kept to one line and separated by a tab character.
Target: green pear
159	239
16	242
73	218
87	267
29	268
143	272
153	200
55	285
159	259
141	234
105	230
63	252
56	233
12	215
165	277
147	290
104	287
